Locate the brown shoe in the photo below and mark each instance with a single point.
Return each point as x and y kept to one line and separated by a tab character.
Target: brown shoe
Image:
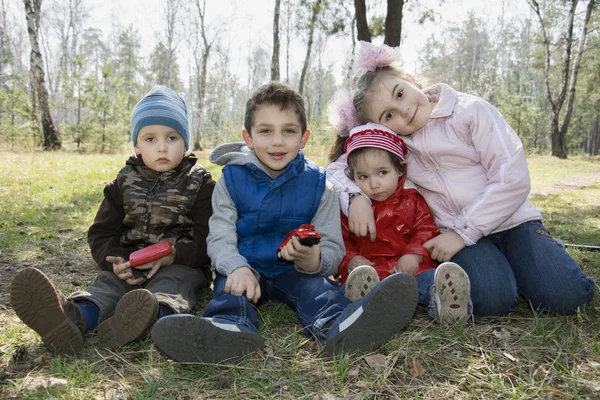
135	314
44	309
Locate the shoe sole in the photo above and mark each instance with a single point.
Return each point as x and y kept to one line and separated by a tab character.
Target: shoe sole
387	313
134	315
37	303
360	282
187	338
453	289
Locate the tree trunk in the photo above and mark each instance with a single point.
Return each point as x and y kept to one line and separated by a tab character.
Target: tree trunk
51	134
201	92
574	72
393	23
559	131
316	9
275	60
362	26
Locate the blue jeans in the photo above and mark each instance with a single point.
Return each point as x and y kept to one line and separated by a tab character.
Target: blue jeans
523	260
424	282
315	299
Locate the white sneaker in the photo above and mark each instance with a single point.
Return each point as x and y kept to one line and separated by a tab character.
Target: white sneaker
360	282
451	295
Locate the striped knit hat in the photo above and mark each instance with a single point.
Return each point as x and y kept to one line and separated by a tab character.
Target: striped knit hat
161	106
374	135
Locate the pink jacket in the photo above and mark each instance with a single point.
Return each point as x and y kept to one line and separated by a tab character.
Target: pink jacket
469	165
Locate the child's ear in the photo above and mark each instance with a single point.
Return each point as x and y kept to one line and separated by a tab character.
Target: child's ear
304	138
136	150
248	139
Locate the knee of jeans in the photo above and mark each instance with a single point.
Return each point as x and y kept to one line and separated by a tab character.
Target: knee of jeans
564	301
494	303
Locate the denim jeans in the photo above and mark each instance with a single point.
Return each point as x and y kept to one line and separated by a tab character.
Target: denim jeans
523	260
424	282
315	299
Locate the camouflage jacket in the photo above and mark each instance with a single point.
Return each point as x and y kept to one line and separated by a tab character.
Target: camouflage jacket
142	207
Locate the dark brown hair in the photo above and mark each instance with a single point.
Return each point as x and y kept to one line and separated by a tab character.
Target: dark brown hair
278	94
397	163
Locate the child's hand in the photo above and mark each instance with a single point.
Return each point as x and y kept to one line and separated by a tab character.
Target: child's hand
360	218
242	280
307	258
357	261
155	265
445	246
409	263
123	270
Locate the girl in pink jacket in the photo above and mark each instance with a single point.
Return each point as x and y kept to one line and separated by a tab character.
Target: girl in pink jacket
472	171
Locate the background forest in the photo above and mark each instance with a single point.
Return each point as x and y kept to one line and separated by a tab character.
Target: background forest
67	81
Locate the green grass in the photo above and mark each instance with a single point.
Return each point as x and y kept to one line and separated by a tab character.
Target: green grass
48	200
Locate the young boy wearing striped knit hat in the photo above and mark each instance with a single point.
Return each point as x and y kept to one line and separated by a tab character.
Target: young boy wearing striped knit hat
376	159
161	194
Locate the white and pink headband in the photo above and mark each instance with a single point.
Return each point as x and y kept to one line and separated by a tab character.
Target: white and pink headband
378	136
369	57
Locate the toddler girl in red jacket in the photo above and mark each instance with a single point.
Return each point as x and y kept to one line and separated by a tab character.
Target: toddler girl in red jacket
376	159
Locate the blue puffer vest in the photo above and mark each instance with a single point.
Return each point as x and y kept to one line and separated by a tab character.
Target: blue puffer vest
269	208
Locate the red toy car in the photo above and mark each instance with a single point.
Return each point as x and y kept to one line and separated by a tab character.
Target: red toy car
305	233
150	253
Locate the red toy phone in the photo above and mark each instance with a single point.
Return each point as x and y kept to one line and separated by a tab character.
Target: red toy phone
305	233
150	253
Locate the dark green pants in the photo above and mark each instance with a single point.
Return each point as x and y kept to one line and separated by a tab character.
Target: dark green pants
174	286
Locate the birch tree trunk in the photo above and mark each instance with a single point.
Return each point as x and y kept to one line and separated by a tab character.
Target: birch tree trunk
316	9
558	131
51	134
275	60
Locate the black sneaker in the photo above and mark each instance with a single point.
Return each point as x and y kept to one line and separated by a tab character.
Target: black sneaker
371	321
188	338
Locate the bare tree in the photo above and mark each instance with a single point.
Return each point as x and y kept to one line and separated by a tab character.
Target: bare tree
201	66
315	10
170	40
558	130
275	59
51	134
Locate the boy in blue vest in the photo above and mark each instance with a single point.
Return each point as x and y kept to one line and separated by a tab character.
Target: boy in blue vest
268	188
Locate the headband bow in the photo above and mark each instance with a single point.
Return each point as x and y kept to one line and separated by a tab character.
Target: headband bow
369	57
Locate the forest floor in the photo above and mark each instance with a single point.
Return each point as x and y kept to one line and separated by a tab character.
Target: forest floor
47	201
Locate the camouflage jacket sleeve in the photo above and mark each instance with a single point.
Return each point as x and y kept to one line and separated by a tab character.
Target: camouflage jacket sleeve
105	232
194	254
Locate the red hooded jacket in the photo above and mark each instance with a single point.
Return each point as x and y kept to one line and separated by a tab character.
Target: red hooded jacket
403	222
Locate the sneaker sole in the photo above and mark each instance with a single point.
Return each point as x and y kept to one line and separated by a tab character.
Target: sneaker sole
37	303
134	315
454	289
360	282
187	338
387	313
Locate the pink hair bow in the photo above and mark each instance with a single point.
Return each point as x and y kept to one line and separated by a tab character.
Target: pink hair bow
341	112
370	56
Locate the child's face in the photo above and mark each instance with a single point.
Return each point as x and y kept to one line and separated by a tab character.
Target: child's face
375	174
276	137
161	147
398	104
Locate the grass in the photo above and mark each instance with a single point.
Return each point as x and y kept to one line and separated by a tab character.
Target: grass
48	200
